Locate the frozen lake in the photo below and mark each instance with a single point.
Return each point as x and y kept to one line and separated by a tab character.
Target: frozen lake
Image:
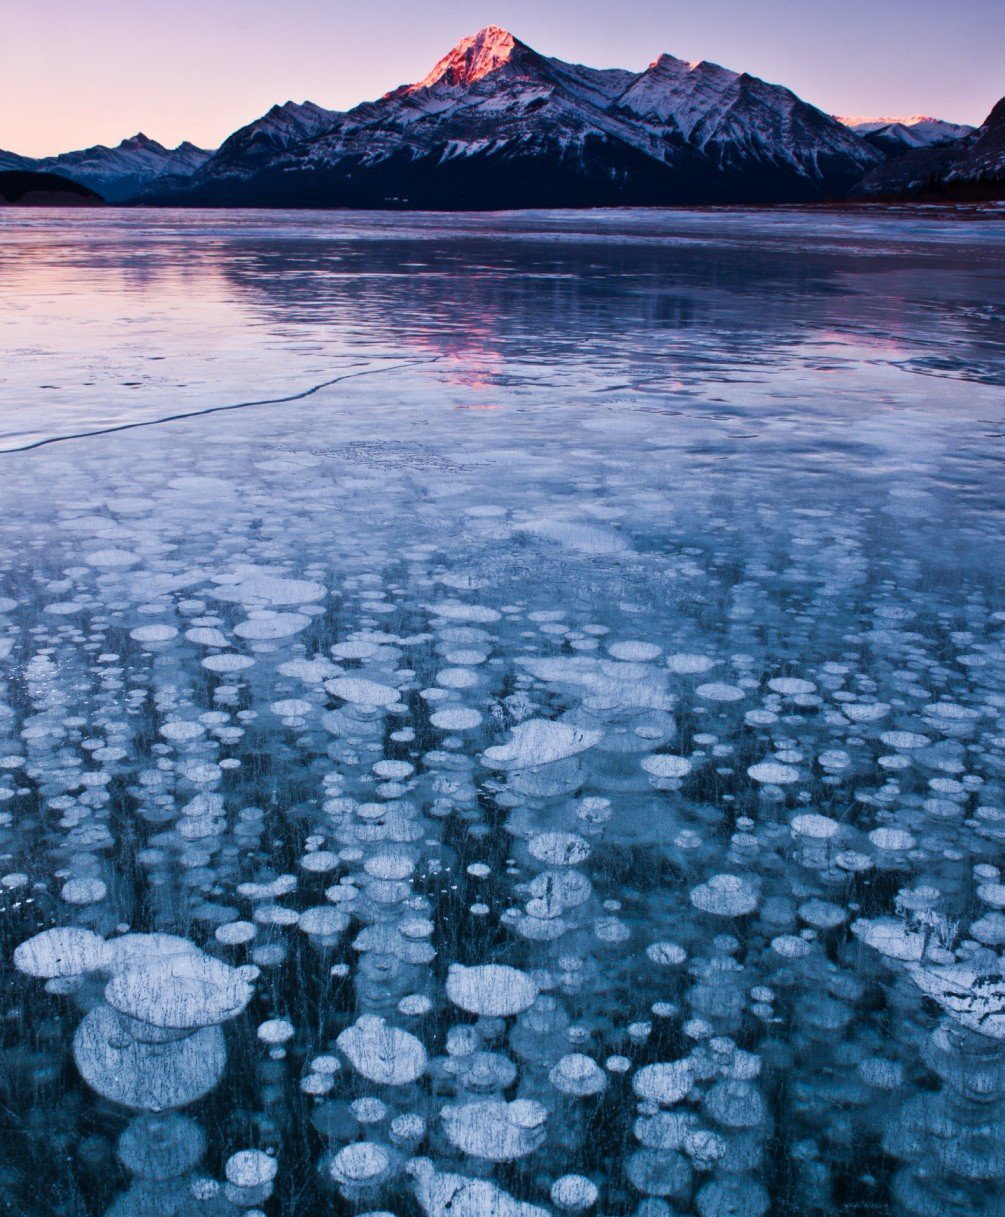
502	715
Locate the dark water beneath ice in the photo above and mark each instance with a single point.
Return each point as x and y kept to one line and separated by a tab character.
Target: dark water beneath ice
556	740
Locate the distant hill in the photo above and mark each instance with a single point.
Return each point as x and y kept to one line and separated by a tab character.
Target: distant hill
25	188
972	168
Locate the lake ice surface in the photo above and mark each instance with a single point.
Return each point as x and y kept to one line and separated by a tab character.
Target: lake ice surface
546	756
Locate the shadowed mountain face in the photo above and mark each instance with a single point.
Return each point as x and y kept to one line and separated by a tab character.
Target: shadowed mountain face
969	168
24	188
497	125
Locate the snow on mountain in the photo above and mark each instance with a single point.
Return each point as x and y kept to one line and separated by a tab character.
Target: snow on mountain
495	123
11	161
121	172
972	167
894	136
255	146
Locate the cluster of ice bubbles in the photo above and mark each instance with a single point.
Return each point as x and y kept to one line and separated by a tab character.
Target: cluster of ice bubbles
342	876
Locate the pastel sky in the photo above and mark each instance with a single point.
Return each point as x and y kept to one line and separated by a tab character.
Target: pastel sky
78	72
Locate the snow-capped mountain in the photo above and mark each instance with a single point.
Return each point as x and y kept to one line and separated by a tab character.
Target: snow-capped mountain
10	161
278	133
117	173
496	124
969	168
895	136
121	172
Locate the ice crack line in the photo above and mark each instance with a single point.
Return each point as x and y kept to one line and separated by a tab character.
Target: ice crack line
238	405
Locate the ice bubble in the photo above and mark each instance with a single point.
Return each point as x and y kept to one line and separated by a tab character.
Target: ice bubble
540	741
179	992
735	1104
257	589
992	894
665	1083
110	559
161	1146
490	990
689	665
892	840
291	707
495	1130
145	1076
227	663
360	1165
664	765
382	1053
791	686
636	652
814	826
360	692
250	1168
455	611
725	896
235	933
559	848
719	692
577	1074
772	773
904	740
865	712
181	731
64	951
442	1194
270	626
667	954
891	937
153	633
275	1031
207	636
455	718
83	891
574	1193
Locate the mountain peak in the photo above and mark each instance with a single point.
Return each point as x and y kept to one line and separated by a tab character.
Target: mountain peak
474	58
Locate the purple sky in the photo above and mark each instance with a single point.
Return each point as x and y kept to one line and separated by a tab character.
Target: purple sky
78	72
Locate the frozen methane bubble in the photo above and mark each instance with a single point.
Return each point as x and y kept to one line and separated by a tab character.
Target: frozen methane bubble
359	1166
180	992
726	896
64	951
574	1193
559	848
271	626
733	1196
578	1075
455	718
490	990
360	692
250	1168
975	999
144	1076
891	937
664	765
773	773
161	1146
665	1083
382	1053
443	1194
791	686
495	1130
683	664
540	741
717	691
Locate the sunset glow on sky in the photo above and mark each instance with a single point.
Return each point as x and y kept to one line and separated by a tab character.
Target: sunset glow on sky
79	72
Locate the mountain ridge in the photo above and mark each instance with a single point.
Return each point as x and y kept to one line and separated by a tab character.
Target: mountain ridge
497	124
